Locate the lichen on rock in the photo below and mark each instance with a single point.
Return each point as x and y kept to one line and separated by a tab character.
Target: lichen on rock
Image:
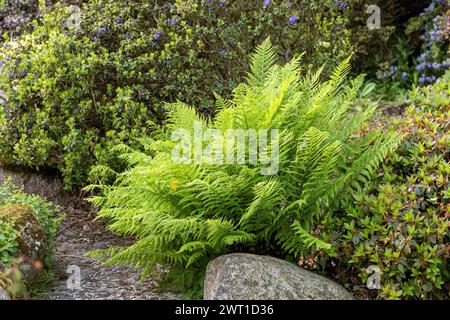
30	236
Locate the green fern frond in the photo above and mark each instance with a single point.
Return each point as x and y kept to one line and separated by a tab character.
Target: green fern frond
310	240
261	62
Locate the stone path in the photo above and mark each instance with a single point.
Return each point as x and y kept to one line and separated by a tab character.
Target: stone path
79	234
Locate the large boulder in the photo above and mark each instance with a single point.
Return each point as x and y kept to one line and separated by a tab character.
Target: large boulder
241	276
30	237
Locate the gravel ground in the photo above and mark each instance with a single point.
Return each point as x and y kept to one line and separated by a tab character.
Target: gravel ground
79	234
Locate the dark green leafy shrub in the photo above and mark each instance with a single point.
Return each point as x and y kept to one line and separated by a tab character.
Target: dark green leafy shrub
401	221
184	214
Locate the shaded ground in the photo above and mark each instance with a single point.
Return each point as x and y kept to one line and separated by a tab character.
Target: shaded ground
79	234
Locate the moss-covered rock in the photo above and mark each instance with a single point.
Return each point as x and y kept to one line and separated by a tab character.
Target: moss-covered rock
31	235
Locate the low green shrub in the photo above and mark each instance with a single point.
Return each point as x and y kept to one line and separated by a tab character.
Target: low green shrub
400	222
433	96
184	214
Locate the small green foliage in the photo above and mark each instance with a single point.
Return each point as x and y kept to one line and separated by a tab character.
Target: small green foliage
433	96
400	223
8	243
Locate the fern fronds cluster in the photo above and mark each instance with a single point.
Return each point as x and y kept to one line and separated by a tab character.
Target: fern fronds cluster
184	214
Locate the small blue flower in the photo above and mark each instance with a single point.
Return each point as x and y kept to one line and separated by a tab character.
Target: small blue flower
266	2
157	35
293	19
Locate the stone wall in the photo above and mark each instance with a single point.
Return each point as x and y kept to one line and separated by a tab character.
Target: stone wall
46	185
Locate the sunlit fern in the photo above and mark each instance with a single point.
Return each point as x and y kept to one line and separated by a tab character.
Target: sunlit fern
184	214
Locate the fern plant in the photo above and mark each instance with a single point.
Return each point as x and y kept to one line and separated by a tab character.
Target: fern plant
184	214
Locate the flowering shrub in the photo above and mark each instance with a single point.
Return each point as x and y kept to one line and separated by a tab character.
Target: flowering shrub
16	15
434	59
71	90
80	83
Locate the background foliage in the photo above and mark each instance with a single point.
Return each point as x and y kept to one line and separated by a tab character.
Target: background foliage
74	90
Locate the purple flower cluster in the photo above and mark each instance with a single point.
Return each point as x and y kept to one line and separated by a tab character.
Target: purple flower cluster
12	22
433	61
173	21
392	74
434	33
221	2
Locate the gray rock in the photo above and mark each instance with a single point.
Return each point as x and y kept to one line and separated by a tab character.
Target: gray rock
4	295
241	276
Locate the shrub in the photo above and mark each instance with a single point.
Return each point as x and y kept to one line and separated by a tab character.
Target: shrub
184	214
433	96
71	91
16	16
401	222
434	58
